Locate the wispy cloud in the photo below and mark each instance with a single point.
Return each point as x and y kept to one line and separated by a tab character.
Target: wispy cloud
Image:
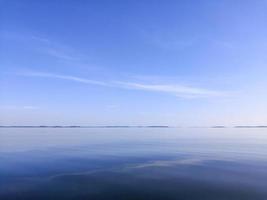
13	107
176	90
168	40
56	49
30	107
60	53
64	77
44	45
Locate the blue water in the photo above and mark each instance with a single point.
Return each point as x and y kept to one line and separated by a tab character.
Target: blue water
133	163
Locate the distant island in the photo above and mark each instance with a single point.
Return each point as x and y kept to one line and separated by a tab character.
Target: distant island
73	126
218	127
250	126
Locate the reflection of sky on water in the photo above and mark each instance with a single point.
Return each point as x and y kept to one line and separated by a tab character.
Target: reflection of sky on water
133	163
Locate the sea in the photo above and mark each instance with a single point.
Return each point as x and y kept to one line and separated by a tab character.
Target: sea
123	163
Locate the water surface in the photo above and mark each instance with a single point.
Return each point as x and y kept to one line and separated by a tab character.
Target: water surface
133	163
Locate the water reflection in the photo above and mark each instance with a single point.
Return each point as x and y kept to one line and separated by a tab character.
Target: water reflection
133	164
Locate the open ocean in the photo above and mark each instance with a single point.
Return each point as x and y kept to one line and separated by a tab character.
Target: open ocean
133	163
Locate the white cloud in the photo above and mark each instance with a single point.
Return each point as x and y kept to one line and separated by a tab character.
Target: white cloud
56	49
64	77
168	40
14	107
30	107
176	90
44	45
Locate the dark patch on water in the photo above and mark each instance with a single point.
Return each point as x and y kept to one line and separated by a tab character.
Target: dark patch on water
186	181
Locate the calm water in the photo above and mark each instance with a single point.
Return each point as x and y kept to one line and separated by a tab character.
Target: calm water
133	163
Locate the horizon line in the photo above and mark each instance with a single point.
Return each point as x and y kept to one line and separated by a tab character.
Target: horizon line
128	126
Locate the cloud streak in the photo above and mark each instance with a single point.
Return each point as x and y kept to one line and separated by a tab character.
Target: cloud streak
64	77
13	107
43	45
55	49
176	90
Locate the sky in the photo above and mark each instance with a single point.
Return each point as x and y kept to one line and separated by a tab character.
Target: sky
122	62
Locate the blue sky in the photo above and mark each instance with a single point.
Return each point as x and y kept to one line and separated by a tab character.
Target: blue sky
182	63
